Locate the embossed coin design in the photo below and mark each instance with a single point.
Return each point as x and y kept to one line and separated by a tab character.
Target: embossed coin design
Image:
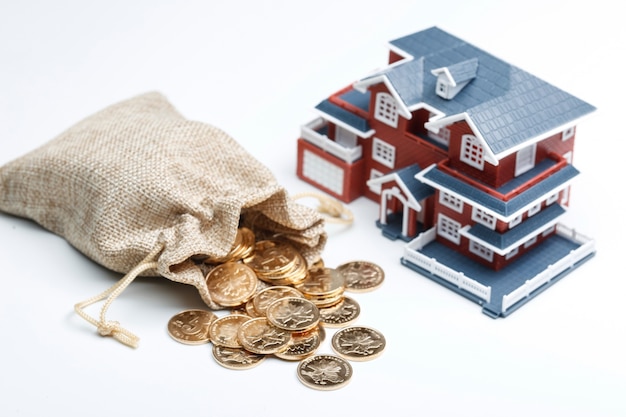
342	314
358	343
259	336
191	327
223	330
361	276
302	345
324	372
231	284
294	314
267	296
236	358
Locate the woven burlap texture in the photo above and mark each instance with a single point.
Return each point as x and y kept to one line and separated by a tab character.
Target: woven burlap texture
138	176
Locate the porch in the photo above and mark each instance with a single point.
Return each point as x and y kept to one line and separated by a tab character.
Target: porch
499	292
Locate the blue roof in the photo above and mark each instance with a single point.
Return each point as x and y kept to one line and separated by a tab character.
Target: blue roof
339	113
507	104
418	189
503	208
519	232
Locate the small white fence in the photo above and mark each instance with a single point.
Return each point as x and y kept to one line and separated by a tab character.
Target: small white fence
309	133
412	255
587	247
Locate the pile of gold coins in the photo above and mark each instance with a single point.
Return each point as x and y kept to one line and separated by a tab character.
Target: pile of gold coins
279	307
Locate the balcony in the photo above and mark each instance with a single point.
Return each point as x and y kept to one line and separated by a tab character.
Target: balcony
315	133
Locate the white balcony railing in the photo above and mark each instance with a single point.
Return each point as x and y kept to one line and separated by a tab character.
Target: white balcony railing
310	133
587	247
413	255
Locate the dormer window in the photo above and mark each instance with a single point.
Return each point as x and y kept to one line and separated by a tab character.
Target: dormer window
452	79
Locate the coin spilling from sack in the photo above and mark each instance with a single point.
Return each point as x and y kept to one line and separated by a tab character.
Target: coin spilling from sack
279	307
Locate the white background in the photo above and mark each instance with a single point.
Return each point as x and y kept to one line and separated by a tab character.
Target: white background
256	69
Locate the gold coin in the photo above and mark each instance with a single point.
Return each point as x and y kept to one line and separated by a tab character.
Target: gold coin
231	284
236	358
341	314
191	327
267	296
259	336
272	258
358	343
294	314
361	276
223	330
323	283
302	345
324	372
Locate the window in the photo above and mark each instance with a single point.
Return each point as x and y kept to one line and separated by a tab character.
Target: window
442	136
512	253
322	172
530	242
386	109
552	198
451	201
534	209
548	231
448	228
480	250
472	152
517	220
525	159
483	218
568	133
384	153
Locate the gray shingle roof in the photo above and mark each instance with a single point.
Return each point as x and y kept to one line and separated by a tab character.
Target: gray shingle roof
507	104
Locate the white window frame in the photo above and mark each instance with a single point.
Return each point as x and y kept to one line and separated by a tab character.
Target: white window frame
383	153
568	133
484	218
547	231
442	136
512	253
386	109
472	152
480	250
530	242
448	228
534	209
552	199
517	220
450	201
525	159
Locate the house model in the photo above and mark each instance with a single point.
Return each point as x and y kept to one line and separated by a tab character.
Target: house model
469	158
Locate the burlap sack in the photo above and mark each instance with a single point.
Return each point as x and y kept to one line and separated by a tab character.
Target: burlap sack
142	191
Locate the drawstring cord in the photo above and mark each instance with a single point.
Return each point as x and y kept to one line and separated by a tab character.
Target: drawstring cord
333	210
112	328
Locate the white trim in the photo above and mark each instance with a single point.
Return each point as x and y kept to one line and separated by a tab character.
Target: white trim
379	144
375	186
344	125
379	181
451	201
449	228
503	251
362	85
568	133
386	109
480	250
525	159
481	216
420	176
434	124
